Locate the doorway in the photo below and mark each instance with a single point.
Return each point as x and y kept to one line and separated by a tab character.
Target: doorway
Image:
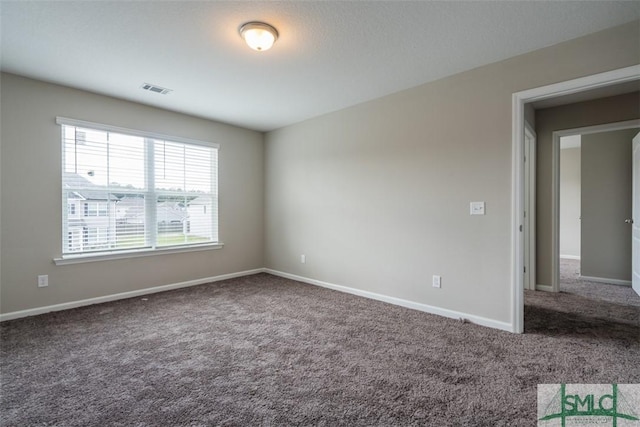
572	87
602	232
595	208
570	209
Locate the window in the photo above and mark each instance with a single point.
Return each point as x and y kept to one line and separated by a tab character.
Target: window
135	190
96	209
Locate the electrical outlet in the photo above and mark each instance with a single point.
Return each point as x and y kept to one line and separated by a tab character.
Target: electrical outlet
303	259
436	281
43	280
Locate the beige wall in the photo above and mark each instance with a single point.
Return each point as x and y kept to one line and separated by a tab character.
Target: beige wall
606	203
582	114
377	195
31	197
570	202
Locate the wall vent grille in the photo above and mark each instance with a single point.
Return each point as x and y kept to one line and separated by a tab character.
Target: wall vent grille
156	89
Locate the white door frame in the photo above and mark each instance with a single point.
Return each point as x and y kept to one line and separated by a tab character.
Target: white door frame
519	99
555	187
635	210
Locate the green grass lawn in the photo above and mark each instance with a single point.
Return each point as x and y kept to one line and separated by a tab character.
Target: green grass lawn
164	239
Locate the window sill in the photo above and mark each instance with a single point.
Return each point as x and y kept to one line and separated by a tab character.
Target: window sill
106	256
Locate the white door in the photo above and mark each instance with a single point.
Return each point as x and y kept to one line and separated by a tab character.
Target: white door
635	220
529	224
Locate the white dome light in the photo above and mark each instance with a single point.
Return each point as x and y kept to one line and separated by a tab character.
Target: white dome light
258	35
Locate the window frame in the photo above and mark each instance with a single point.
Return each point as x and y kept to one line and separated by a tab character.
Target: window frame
109	254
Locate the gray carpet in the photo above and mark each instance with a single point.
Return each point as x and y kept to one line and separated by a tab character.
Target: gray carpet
570	282
262	350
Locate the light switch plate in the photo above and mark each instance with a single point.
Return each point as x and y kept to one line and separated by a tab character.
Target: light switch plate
477	208
436	281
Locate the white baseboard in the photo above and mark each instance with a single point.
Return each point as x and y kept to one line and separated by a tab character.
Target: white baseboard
570	257
607	281
379	297
546	288
114	297
398	301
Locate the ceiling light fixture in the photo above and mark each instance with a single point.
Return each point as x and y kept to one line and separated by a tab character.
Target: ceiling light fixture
258	35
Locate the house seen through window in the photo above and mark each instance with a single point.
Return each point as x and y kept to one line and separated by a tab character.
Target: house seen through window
125	192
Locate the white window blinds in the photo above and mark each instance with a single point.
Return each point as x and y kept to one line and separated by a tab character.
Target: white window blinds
127	190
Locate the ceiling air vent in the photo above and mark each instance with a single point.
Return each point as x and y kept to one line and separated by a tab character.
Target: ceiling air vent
156	89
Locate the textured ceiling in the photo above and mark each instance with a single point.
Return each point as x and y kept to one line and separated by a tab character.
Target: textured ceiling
330	55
